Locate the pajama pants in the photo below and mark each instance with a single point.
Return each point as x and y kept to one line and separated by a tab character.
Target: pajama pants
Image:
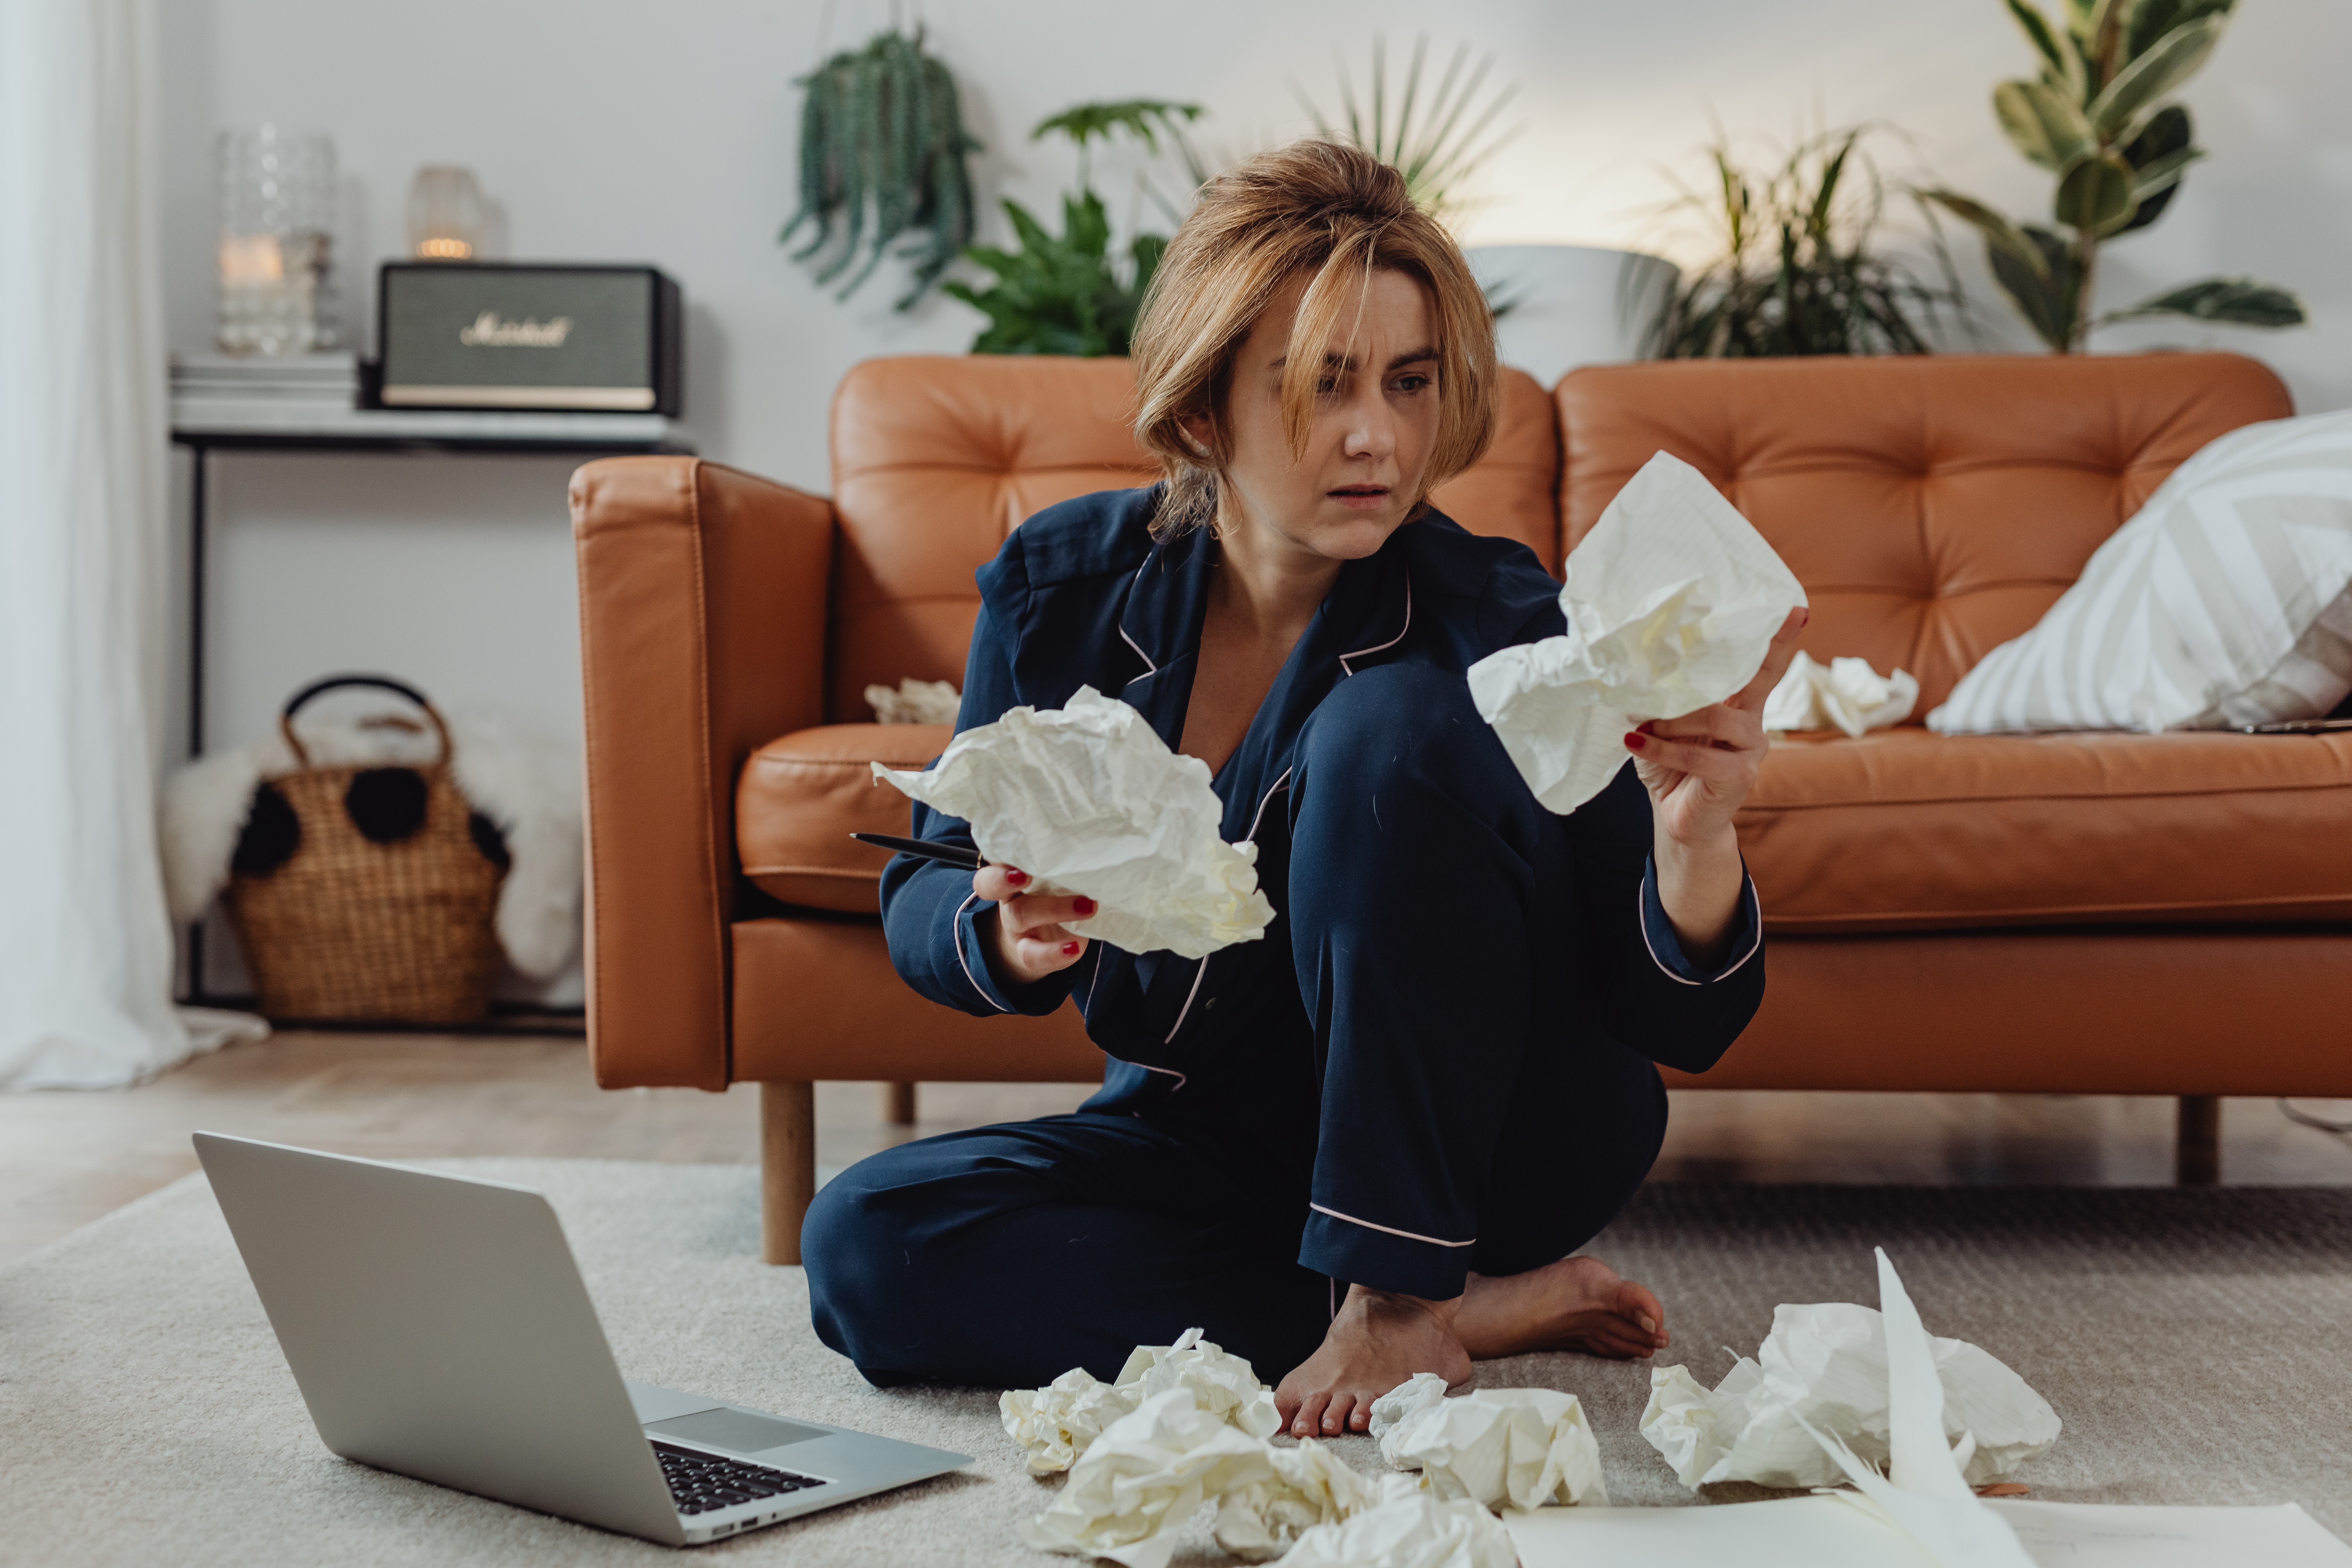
1454	952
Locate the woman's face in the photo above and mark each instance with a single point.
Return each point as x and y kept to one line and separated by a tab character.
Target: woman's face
1376	411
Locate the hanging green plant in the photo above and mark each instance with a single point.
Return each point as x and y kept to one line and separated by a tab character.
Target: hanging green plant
2096	116
1063	294
882	158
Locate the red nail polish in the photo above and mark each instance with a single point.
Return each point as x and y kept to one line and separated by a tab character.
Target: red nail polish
1635	739
1018	879
1069	950
1085	906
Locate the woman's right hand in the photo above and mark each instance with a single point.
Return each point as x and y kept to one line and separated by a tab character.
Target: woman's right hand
1030	940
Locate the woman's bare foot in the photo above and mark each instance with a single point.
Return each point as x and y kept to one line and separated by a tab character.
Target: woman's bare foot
1376	1342
1576	1304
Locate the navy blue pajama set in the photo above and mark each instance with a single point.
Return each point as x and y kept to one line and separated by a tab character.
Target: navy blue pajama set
1438	1059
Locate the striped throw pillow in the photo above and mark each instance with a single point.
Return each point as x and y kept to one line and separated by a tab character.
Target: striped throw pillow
2222	602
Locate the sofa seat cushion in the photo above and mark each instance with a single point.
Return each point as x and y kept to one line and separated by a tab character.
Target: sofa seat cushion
800	797
1907	830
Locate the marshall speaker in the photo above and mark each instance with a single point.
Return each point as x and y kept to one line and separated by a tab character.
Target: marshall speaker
499	335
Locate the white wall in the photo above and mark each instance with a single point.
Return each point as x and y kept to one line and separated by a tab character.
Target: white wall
608	130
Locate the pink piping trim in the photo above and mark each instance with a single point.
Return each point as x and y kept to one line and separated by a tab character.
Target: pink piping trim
1391	1230
1393	641
1756	913
966	962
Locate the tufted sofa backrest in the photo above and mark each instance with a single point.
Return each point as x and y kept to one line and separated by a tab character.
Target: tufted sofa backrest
937	458
1934	507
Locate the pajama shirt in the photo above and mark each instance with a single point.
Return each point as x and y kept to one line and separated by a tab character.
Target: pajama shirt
1438	1059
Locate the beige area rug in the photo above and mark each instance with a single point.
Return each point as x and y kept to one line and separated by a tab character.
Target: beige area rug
2198	1344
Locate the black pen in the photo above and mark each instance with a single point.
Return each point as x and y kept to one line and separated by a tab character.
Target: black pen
926	849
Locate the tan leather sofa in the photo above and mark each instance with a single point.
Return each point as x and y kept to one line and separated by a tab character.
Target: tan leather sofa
2088	913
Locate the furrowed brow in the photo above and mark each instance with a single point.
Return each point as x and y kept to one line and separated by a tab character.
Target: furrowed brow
1412	356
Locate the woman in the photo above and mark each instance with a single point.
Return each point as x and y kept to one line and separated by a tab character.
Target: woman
1369	1144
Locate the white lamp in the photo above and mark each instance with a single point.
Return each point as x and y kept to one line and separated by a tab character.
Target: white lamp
1569	305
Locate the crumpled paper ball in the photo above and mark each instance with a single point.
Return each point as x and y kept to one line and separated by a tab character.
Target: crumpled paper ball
1310	1486
1501	1448
1088	799
1843	694
1056	1424
1826	1364
1145	1475
913	701
1408	1528
1672	601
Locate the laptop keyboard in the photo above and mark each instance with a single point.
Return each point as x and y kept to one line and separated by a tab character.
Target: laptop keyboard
700	1482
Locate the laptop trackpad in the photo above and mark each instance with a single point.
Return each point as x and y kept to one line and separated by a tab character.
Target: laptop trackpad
737	1431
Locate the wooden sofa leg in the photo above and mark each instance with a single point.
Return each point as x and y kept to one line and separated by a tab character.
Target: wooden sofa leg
2197	1160
787	1166
898	1104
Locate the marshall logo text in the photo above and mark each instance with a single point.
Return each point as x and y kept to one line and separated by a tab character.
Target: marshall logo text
488	331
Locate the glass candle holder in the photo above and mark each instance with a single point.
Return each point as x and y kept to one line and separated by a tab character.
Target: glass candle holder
276	248
445	214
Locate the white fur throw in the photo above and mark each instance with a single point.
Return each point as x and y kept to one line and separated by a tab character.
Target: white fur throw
530	787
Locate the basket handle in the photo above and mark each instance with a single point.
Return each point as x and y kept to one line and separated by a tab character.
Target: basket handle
333	682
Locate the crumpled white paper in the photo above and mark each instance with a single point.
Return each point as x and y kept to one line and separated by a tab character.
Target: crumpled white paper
1310	1486
915	702
1824	1367
1145	1475
1924	1493
1056	1424
1088	799
1843	694
1672	601
1501	1448
1409	1527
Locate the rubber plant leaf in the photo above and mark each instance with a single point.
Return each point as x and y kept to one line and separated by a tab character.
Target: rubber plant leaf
2047	298
2042	123
2152	19
2095	194
2241	301
2154	75
2061	67
2000	234
2166	134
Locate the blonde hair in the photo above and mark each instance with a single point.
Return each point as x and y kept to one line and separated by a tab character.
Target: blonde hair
1319	207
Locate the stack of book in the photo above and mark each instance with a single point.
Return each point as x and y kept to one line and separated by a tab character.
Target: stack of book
263	393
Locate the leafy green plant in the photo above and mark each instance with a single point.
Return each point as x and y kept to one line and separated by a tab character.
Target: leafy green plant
1435	152
882	156
2097	117
1062	294
1796	271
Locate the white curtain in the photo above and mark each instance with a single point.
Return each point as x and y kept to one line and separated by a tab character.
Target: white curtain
86	952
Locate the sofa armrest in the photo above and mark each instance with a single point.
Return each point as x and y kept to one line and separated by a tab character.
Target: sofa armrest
703	595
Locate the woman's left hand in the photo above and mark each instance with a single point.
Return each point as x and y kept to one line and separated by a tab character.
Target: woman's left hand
1699	768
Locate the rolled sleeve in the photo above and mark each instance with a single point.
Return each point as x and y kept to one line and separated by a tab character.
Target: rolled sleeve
1666	948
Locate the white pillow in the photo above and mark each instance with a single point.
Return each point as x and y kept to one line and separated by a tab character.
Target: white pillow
2222	602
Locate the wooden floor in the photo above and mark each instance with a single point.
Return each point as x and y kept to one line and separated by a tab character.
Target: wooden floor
67	1157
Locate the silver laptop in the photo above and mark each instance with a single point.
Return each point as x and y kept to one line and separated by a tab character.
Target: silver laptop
437	1327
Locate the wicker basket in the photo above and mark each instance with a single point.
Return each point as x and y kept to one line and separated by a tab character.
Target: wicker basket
355	929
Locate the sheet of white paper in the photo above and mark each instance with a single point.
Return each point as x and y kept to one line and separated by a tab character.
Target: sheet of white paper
1054	1424
1824	1365
1088	799
1843	694
1414	1395
2115	1535
1821	1533
1518	1448
1408	1529
1672	601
